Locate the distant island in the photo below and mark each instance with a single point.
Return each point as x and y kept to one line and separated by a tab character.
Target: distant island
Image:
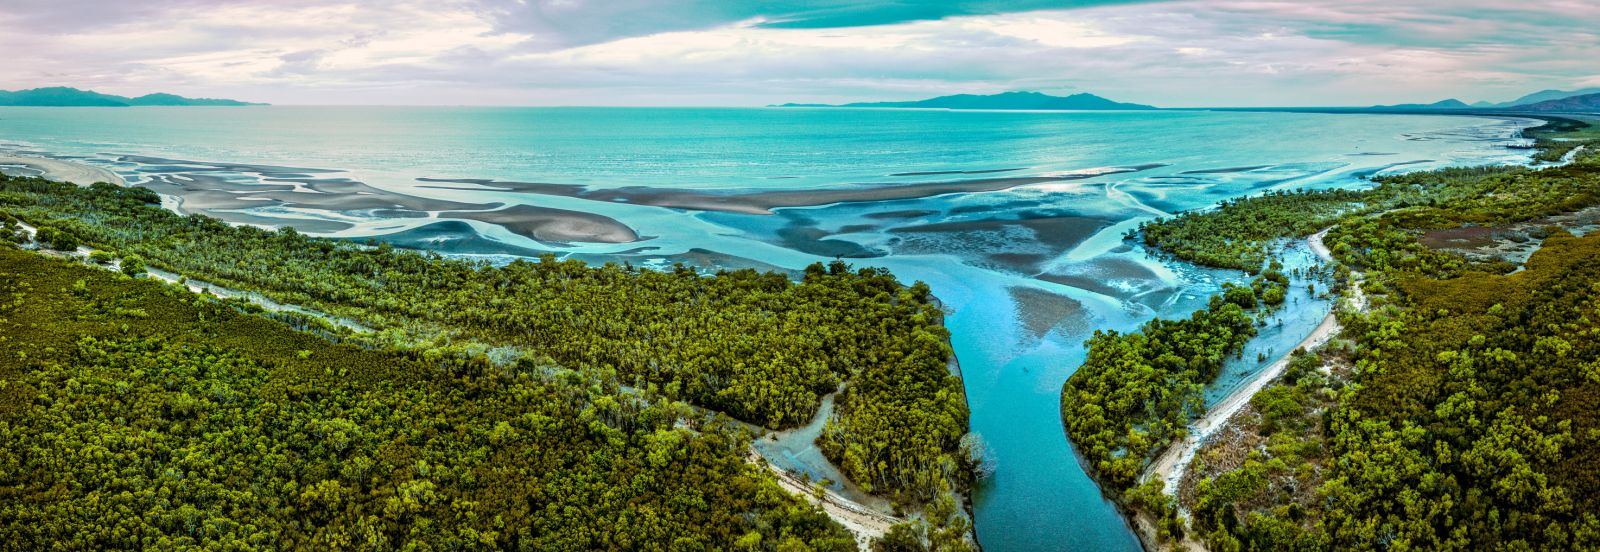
61	96
1007	100
1544	100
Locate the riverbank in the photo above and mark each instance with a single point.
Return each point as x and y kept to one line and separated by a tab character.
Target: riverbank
1170	466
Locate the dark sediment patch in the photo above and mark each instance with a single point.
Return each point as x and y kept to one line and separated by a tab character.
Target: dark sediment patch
853	228
1227	170
1469	237
905	214
1006	206
1041	311
192	181
487	185
265	170
1059	233
397	214
1022	263
553	225
813	240
763	202
937	173
1014	245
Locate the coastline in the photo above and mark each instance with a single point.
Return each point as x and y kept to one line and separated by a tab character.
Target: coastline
976	366
863	516
64	171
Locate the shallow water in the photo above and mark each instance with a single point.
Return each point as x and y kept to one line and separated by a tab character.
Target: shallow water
1027	271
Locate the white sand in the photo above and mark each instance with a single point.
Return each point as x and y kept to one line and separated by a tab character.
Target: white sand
867	525
64	171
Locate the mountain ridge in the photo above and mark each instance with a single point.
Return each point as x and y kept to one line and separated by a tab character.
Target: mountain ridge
1586	102
63	96
1015	100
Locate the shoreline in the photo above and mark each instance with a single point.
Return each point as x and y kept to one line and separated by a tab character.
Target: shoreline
64	171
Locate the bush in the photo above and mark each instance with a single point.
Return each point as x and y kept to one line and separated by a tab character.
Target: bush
102	257
133	265
59	240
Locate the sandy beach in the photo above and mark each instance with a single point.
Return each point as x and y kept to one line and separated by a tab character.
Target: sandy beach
64	171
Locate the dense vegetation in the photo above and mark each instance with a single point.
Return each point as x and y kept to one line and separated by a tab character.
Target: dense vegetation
1135	392
1462	413
1240	234
1472	424
136	415
757	346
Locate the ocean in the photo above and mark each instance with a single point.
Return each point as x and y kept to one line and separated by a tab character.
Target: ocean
1016	219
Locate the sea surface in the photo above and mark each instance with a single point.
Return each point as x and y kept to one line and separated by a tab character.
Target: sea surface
1016	219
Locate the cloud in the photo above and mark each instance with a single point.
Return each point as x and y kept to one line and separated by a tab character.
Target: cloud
692	52
569	23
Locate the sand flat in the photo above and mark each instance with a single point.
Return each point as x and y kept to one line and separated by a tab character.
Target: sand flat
64	171
553	225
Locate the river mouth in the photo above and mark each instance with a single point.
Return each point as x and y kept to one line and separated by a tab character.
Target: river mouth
1029	260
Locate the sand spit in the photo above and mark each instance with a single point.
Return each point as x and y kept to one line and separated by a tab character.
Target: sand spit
553	225
64	171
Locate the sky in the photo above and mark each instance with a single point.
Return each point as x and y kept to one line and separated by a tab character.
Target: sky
758	52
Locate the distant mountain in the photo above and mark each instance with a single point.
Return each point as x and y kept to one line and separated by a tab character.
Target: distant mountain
61	96
1008	100
1481	103
1586	102
1545	96
1443	104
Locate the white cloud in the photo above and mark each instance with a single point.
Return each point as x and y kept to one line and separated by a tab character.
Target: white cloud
1229	52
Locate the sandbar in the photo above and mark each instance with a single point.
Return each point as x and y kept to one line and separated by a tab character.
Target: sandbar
64	171
553	225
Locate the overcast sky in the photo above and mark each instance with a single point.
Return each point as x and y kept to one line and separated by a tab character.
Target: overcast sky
702	52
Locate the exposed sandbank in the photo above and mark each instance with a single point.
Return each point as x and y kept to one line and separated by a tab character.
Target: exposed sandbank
64	171
553	225
204	188
763	202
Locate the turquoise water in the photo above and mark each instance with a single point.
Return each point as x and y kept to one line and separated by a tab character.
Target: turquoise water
1027	271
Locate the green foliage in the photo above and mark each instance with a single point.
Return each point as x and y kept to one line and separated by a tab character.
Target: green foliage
59	240
1470	421
190	425
1238	233
757	346
1135	391
133	265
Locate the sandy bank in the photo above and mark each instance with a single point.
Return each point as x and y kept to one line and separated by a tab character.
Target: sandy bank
553	225
762	203
864	523
64	171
